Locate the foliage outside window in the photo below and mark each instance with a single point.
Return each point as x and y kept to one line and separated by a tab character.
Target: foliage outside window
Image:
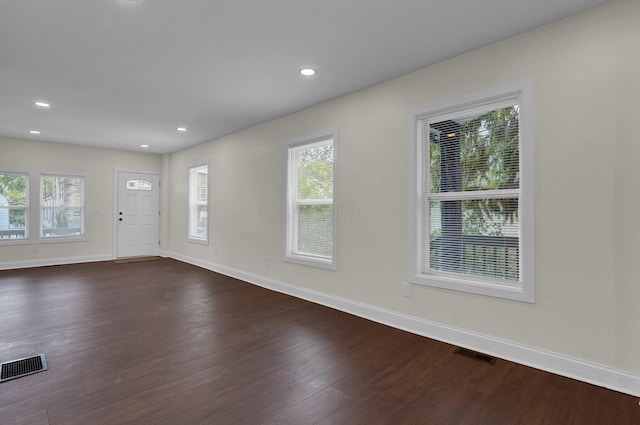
14	206
472	207
198	203
62	206
310	213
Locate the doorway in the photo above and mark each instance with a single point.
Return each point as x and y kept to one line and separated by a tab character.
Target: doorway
137	214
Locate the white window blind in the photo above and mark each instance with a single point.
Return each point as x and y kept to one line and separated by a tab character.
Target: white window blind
198	203
310	192
472	194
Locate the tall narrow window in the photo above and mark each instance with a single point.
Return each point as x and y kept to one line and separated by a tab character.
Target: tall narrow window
62	206
474	211
198	203
14	206
311	226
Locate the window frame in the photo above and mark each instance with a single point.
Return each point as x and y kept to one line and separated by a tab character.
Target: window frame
26	207
292	202
520	92
83	210
193	204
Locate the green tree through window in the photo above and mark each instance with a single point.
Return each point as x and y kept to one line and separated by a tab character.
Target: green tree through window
310	225
474	160
13	205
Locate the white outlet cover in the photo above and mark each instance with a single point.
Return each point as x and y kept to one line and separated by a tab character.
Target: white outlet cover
406	289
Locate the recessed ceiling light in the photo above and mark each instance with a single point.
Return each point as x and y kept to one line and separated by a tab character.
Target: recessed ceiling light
144	146
34	131
307	72
181	129
42	104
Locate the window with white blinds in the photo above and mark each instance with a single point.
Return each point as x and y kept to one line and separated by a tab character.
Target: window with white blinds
198	204
311	227
474	213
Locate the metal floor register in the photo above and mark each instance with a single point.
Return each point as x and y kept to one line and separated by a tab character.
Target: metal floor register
22	367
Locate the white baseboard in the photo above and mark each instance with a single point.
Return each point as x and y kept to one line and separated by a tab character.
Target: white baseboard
559	364
8	265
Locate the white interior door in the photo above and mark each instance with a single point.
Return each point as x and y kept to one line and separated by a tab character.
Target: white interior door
138	214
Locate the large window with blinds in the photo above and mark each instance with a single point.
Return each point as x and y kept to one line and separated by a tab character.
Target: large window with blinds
311	212
473	197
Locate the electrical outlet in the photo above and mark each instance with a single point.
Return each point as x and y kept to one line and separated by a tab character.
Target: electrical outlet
406	289
267	260
215	251
35	248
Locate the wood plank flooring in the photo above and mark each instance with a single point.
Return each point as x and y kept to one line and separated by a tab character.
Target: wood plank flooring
163	342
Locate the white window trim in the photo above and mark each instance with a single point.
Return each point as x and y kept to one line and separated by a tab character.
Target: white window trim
290	220
521	291
34	211
190	238
85	201
28	211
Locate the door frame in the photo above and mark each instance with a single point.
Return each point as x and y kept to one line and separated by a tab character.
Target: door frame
114	212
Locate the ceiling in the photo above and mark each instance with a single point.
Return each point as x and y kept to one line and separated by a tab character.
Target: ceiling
122	73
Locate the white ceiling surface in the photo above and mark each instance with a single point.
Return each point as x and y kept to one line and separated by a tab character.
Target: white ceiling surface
120	73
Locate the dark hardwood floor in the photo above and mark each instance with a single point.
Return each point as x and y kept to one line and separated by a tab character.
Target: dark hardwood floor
163	342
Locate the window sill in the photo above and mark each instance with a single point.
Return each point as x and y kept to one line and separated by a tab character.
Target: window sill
312	261
515	292
59	239
198	241
42	241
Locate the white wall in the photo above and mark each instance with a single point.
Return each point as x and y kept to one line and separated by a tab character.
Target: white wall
585	70
18	155
626	136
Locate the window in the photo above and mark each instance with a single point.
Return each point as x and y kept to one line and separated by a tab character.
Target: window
62	206
198	203
311	213
14	206
473	225
138	185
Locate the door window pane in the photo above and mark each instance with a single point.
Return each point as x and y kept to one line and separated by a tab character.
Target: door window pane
138	185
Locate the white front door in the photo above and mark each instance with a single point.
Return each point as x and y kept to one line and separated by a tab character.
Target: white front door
138	214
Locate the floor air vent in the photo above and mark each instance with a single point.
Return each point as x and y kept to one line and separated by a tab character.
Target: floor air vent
22	367
475	355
